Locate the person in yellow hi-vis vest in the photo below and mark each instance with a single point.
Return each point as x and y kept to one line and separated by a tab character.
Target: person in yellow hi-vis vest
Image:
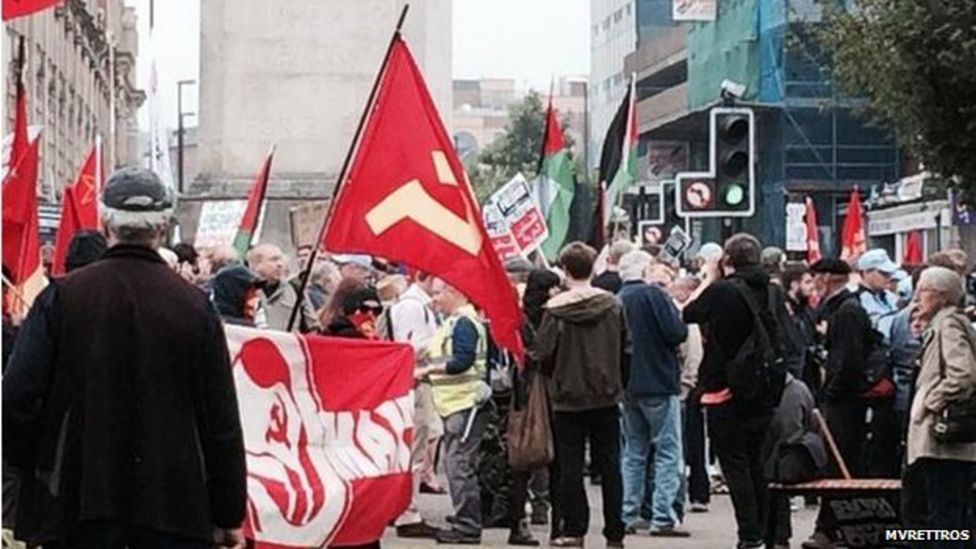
456	367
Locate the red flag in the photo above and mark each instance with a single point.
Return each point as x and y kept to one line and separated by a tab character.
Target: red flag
19	8
406	198
79	207
853	240
328	425
913	249
21	238
813	234
255	200
19	141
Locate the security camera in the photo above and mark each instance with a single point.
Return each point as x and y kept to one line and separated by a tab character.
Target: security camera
732	90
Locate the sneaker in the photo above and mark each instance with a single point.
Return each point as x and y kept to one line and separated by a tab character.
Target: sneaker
639	525
417	530
566	542
615	544
669	532
428	489
450	519
819	540
522	537
750	544
453	537
781	545
698	507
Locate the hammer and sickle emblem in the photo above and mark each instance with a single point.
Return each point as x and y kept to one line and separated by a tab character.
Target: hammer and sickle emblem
411	201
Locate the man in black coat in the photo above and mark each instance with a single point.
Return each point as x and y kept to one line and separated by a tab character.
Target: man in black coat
119	403
737	426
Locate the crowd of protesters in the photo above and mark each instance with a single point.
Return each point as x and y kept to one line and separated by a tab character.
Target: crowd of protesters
665	383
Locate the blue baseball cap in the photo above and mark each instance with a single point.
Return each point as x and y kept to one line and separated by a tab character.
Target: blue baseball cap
877	260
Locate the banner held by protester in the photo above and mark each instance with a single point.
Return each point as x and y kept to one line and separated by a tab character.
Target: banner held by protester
327	425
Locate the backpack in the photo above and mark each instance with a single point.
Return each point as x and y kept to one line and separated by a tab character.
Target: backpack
757	372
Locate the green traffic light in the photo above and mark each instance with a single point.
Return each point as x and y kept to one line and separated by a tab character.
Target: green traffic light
734	194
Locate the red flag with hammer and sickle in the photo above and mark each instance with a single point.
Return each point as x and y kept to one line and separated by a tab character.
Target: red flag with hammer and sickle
406	198
79	207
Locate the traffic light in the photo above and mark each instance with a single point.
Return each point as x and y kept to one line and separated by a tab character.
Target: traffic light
728	188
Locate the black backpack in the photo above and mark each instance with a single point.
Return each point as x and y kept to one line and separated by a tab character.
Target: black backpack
757	372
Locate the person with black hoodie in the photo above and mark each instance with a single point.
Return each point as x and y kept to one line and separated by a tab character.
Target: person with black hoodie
737	428
234	291
579	349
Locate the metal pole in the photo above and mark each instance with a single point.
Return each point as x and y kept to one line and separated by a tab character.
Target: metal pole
345	167
179	137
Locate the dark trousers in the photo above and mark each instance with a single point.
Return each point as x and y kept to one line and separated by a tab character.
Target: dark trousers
937	494
738	440
694	427
113	535
846	421
518	489
602	427
881	450
780	527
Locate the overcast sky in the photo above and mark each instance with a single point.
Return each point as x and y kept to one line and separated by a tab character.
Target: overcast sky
530	41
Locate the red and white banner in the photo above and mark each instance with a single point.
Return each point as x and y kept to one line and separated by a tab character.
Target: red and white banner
497	229
328	425
521	213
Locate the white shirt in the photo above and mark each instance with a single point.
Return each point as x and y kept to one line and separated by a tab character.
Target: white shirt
413	321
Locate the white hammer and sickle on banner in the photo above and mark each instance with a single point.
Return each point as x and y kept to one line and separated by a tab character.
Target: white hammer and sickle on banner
412	201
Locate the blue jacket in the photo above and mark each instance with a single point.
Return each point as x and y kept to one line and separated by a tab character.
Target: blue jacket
654	330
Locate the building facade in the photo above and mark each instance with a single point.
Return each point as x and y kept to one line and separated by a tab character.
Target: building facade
481	111
80	58
810	138
613	35
297	74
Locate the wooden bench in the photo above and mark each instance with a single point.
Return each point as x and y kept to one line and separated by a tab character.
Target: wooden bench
864	508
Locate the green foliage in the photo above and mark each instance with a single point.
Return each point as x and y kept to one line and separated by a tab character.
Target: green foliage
517	150
915	61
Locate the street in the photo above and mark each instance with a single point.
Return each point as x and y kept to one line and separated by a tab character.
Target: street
712	530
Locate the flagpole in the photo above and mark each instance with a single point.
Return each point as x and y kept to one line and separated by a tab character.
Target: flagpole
306	273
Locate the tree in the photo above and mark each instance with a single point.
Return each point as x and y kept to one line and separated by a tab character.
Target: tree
915	61
517	150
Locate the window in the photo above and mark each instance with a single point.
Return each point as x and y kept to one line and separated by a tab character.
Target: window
628	9
606	24
618	15
596	30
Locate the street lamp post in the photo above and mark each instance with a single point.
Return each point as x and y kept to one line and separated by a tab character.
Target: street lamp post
179	131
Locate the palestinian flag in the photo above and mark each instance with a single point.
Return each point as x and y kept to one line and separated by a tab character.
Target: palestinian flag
255	208
555	186
618	164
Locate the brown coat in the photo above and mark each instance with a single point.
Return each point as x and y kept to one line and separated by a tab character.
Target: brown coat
950	340
579	348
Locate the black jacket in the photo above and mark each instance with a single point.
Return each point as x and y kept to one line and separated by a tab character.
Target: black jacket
120	395
849	341
727	322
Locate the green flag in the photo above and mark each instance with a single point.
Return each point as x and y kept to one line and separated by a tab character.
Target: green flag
555	185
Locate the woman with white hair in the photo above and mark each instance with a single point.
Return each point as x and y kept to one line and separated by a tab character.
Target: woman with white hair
938	482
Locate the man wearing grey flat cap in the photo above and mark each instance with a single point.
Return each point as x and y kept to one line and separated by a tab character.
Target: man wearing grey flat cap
119	402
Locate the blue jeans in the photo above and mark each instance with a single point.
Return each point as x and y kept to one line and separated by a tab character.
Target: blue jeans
652	422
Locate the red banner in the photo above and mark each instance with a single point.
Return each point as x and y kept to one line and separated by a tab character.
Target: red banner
328	425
